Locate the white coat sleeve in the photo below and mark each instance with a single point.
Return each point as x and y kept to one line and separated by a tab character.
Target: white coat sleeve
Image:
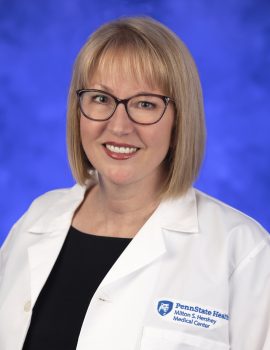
250	301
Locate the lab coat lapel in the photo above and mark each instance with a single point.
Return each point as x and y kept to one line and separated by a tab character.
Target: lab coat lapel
53	227
41	257
142	251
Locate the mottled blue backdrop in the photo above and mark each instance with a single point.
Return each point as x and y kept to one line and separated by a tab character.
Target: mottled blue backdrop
230	41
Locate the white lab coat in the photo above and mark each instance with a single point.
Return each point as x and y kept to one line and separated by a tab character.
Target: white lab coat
195	263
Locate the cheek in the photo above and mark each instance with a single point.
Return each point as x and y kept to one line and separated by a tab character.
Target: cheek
88	134
84	133
161	135
88	131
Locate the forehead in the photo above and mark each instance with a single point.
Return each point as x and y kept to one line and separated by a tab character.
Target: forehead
118	67
121	85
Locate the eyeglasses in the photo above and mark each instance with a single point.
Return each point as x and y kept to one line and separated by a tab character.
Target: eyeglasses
145	109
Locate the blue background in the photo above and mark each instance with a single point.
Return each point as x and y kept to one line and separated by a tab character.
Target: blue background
230	41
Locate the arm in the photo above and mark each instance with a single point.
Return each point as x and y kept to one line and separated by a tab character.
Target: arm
250	301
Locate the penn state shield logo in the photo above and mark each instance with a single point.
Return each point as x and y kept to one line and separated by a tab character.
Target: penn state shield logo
164	307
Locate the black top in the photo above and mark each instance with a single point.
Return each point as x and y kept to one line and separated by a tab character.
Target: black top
60	308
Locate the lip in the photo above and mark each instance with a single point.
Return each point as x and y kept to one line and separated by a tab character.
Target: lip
119	156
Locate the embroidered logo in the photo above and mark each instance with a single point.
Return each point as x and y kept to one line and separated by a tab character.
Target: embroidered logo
192	314
164	307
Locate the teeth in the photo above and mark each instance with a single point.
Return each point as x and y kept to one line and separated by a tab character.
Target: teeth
116	149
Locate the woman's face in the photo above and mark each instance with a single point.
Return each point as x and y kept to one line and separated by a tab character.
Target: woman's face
145	146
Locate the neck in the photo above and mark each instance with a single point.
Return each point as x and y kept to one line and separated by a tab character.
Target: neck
127	198
123	210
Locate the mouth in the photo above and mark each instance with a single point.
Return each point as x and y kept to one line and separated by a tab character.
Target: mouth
120	151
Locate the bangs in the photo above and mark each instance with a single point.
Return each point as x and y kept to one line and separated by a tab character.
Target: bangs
136	62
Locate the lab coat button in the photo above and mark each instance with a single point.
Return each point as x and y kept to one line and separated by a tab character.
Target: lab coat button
101	298
27	306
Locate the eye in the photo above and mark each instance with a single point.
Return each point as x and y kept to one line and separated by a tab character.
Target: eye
146	105
100	98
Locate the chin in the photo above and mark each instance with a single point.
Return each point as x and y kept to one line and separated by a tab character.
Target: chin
121	178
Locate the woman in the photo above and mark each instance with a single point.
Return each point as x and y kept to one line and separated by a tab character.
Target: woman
132	257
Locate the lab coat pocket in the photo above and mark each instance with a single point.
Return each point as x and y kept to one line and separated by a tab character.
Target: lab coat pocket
160	339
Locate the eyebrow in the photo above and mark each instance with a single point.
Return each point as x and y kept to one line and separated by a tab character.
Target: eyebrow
106	88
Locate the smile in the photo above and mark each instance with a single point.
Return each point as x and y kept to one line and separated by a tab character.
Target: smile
121	149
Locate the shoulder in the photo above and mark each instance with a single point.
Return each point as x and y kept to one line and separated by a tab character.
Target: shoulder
240	235
45	208
46	200
212	210
55	203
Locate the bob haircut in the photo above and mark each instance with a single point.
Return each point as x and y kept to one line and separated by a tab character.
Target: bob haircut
145	50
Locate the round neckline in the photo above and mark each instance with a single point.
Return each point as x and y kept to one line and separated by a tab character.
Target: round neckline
75	230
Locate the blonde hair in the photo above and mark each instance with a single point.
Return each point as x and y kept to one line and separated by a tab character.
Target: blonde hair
150	52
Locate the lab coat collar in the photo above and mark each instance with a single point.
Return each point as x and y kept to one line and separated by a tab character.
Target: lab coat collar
60	213
178	214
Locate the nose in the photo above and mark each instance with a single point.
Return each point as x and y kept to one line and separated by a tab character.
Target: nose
120	124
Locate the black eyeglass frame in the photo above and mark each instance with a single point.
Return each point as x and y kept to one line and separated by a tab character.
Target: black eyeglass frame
165	99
